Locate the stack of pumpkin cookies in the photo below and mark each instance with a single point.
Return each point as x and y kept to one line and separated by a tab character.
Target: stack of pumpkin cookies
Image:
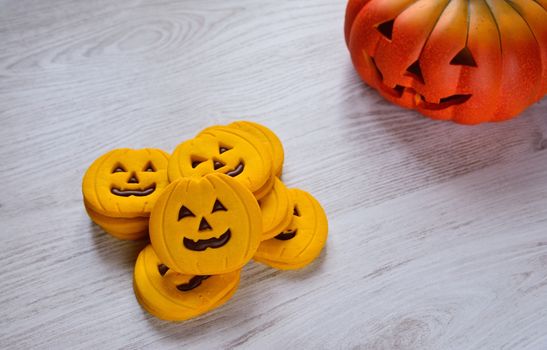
209	208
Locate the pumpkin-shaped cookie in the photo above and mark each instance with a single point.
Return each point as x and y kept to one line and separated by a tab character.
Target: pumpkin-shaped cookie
268	138
121	228
302	241
125	183
173	296
223	150
205	225
277	210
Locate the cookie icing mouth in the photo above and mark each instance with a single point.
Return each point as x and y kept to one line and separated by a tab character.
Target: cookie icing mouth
139	193
285	236
193	283
237	170
202	244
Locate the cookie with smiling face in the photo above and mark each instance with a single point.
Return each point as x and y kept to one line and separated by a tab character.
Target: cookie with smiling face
268	138
172	296
205	225
121	187
229	151
302	241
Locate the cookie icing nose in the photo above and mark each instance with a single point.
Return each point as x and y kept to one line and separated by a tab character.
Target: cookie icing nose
133	179
204	225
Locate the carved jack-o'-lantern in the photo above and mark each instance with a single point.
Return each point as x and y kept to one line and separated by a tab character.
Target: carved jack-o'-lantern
205	226
466	61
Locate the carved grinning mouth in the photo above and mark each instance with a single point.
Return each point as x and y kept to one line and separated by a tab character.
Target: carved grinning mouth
139	193
237	170
202	244
285	236
444	102
420	100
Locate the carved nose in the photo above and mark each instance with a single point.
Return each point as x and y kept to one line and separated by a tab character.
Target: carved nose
133	179
204	225
218	164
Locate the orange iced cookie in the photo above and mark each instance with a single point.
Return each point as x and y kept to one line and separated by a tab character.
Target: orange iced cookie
172	296
206	225
121	187
223	150
302	241
268	138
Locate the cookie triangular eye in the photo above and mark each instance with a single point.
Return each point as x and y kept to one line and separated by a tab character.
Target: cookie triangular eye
197	161
149	167
184	212
162	269
119	169
218	206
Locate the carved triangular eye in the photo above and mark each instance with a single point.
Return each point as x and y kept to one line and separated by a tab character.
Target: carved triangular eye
223	149
162	269
119	169
184	212
218	206
296	212
464	58
386	29
149	167
415	71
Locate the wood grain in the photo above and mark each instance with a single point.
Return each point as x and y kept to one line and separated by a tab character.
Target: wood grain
438	232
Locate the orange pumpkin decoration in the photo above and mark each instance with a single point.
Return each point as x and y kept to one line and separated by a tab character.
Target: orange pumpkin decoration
469	61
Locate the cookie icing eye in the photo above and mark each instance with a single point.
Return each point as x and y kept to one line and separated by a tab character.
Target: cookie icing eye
184	212
118	169
162	269
197	161
218	206
149	167
218	164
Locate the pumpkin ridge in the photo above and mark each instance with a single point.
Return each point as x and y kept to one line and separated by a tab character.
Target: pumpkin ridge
316	213
394	18
161	224
95	186
429	36
538	45
498	28
540	4
249	219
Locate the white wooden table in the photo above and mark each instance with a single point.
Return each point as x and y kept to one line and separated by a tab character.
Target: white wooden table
438	232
